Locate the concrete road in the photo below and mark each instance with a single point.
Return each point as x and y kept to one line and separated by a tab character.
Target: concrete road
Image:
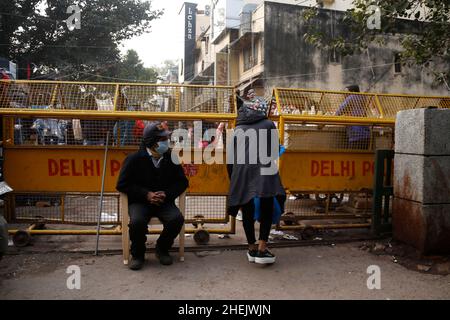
317	272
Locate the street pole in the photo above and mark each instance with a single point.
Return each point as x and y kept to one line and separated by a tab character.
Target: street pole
101	194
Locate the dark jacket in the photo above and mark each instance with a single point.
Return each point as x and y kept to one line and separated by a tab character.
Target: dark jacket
139	176
246	180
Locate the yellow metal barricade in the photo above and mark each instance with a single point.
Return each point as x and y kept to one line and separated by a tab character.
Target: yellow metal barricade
330	139
54	135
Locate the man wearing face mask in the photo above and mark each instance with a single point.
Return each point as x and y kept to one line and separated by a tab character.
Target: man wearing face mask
152	182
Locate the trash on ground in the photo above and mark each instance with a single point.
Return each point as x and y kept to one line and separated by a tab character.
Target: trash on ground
202	254
289	237
424	268
379	247
276	232
224	236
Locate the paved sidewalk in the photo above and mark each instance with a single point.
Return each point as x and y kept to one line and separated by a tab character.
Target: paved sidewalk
315	272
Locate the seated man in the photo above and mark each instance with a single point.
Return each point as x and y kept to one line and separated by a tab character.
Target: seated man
152	182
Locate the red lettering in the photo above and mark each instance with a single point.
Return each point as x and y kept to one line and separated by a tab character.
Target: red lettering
74	171
314	168
324	166
87	167
64	165
333	174
115	167
345	168
53	168
366	167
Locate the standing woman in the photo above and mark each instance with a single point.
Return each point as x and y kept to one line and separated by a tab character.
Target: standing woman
248	186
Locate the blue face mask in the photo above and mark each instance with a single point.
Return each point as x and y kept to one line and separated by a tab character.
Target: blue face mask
162	147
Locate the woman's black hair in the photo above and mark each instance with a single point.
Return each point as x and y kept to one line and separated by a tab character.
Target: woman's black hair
353	88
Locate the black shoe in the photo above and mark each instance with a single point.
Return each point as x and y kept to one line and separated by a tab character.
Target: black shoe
264	257
164	257
136	263
251	255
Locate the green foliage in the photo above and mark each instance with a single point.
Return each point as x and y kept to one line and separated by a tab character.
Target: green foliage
30	34
131	67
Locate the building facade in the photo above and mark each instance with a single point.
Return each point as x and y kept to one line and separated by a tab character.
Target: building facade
264	47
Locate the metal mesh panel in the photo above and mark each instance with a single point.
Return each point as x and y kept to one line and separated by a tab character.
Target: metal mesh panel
65	208
148	98
444	103
326	205
119	97
322	103
392	104
311	102
83	208
47	131
206	99
52	131
317	136
52	95
206	208
428	102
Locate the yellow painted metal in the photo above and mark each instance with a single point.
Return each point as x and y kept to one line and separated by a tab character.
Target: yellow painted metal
177	100
277	99
116	97
361	93
55	92
230	230
374	105
77	168
338	120
328	226
324	171
380	109
110	115
69	169
69	232
112	83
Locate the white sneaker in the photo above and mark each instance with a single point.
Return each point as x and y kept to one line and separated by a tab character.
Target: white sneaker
251	254
265	257
239	215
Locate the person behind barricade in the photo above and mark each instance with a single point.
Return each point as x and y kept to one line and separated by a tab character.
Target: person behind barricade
259	196
152	182
354	105
123	129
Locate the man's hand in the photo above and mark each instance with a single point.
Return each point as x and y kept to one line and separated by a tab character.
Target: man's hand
161	196
156	198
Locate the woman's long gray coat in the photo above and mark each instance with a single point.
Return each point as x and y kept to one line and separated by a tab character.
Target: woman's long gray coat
246	180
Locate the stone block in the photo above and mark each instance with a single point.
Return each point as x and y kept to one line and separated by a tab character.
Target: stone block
426	227
423	131
422	179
